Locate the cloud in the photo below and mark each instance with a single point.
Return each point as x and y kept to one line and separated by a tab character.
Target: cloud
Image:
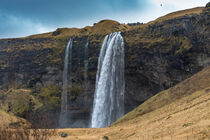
49	11
169	6
155	10
183	4
24	17
13	27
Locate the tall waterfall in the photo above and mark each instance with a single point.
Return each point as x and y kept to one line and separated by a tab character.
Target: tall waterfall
86	63
63	121
109	90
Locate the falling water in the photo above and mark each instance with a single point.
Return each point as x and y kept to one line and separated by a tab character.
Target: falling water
63	121
86	63
109	91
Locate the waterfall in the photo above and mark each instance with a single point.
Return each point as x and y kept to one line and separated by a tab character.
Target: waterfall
63	121
86	63
109	89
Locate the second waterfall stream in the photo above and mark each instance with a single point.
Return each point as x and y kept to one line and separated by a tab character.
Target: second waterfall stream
110	84
63	120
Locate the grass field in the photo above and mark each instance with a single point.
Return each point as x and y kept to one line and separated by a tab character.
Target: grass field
179	113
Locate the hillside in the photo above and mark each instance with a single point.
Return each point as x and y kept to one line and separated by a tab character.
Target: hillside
11	121
101	28
181	112
187	12
158	55
194	85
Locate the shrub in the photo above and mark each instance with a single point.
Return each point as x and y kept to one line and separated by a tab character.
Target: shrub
26	133
51	97
21	105
75	91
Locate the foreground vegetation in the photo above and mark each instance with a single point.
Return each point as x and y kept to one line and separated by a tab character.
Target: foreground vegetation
179	113
14	128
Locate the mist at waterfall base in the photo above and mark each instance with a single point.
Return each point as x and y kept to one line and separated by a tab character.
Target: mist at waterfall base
63	120
110	84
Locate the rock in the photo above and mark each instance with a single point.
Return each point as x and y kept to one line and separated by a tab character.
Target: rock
105	138
208	5
64	135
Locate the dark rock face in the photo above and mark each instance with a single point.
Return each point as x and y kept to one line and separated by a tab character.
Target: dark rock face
157	57
208	5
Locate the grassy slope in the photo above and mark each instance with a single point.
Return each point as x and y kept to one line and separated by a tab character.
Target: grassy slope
181	112
8	120
100	28
177	14
186	88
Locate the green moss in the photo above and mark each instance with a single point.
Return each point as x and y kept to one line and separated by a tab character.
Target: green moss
132	57
51	97
19	102
2	96
56	57
21	106
186	125
75	91
182	44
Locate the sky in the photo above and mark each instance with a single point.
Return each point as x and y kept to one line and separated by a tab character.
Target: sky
20	18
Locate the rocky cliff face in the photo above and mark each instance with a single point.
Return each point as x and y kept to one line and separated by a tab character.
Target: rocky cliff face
158	55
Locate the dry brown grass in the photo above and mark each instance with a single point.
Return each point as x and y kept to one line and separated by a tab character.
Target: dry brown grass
177	14
188	118
189	86
107	26
101	28
26	134
174	114
18	130
7	120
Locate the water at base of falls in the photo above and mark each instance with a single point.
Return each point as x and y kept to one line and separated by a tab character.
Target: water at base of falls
110	84
63	120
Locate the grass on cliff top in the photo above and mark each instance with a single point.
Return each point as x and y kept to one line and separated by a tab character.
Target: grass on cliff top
60	32
186	88
101	28
177	14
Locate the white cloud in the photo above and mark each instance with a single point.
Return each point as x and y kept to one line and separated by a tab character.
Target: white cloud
155	10
183	4
19	27
162	7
